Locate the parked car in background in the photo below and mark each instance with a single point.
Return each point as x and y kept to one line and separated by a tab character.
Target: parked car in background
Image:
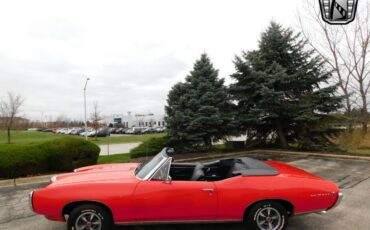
76	131
144	130
261	194
124	130
89	130
91	133
160	129
114	130
120	131
117	131
62	130
80	131
103	132
69	131
131	131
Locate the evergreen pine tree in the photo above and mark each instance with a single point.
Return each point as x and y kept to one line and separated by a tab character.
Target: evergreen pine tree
197	109
282	88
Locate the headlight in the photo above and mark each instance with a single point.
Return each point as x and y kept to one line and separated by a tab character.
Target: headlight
53	179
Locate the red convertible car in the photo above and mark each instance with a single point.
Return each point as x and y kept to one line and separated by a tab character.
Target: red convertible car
262	194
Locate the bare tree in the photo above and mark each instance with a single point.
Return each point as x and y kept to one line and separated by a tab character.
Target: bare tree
9	108
96	117
62	120
346	50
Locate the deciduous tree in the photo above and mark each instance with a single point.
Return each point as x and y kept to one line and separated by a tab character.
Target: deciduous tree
96	117
346	51
9	109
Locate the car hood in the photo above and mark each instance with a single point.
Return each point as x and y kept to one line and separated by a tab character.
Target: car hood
108	167
98	173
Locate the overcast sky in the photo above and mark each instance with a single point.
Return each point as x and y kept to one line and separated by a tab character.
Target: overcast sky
133	51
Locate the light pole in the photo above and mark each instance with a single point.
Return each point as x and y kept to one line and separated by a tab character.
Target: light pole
87	80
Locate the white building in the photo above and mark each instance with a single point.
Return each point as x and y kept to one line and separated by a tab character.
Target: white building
138	120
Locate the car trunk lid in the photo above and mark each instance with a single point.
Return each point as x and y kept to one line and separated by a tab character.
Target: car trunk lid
291	171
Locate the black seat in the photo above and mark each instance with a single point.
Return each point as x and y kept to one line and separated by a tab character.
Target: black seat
198	172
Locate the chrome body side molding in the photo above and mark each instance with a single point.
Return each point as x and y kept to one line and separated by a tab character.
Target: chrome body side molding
178	222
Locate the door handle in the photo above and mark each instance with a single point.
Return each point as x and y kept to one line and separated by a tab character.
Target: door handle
210	190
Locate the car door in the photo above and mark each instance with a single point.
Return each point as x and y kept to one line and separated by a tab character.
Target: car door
167	201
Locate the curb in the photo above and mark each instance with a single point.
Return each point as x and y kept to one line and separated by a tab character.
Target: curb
46	178
318	155
302	154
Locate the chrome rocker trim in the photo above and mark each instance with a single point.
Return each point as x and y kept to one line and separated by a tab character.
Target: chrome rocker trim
178	222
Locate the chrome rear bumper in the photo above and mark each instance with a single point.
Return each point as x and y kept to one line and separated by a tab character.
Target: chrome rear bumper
339	200
30	200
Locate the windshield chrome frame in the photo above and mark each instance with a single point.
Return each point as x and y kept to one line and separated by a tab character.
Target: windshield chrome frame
157	167
161	165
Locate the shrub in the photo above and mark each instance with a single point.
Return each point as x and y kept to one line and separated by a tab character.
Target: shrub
22	160
66	154
62	154
151	147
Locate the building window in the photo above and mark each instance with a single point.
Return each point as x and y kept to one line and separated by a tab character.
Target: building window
162	123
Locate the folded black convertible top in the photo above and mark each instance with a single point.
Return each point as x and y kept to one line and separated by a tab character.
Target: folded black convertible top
246	166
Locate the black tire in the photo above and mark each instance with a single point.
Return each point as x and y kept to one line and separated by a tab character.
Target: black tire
86	211
257	217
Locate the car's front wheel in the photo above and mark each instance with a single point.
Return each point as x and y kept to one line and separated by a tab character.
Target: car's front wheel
89	217
267	215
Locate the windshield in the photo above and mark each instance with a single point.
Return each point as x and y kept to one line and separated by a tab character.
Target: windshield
149	168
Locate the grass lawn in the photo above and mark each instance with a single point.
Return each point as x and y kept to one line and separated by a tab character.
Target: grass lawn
355	142
360	151
116	158
29	137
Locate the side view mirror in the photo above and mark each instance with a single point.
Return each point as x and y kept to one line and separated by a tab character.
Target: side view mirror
168	180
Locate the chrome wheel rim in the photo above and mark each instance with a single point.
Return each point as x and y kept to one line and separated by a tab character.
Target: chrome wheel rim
88	221
268	219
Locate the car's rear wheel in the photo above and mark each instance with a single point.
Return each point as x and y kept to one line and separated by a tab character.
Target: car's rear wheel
267	215
89	217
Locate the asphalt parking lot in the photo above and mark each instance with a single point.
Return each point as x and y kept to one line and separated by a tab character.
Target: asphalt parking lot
352	176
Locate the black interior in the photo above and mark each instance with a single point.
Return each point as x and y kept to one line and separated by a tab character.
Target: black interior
220	169
210	171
